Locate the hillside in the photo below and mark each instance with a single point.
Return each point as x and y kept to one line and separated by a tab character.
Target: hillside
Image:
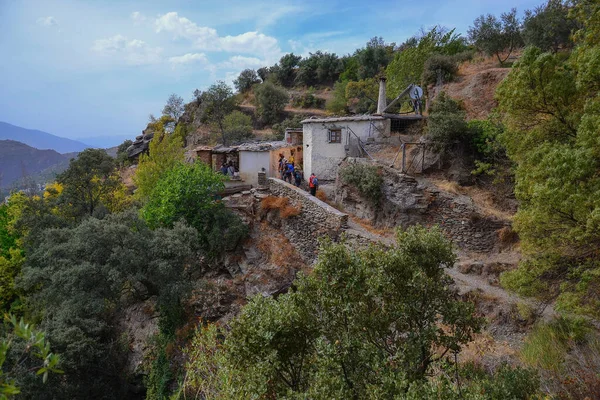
18	160
39	139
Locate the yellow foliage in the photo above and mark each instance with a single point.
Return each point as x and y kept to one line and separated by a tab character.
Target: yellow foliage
53	190
165	152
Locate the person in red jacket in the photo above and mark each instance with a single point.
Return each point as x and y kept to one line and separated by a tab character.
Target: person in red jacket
313	184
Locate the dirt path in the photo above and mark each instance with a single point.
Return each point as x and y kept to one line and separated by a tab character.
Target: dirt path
469	282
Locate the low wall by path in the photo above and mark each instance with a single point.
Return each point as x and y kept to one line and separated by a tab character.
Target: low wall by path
317	219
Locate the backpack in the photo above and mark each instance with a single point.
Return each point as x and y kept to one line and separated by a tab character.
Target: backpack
315	181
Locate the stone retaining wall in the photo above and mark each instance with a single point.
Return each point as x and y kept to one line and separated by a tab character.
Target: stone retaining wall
317	219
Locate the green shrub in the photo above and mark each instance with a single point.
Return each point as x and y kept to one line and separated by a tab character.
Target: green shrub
188	191
237	126
446	124
308	100
366	178
439	67
547	345
270	101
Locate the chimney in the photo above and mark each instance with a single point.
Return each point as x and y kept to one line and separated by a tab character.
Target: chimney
381	101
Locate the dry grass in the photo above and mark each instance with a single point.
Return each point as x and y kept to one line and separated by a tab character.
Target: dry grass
286	210
507	236
322	196
484	344
278	248
483	199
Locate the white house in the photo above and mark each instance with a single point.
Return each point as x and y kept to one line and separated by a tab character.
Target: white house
328	141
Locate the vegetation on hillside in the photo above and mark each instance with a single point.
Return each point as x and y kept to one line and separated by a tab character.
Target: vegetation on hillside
371	323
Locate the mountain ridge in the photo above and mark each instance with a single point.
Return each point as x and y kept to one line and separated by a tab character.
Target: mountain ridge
39	139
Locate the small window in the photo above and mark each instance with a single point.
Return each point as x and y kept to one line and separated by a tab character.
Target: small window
335	136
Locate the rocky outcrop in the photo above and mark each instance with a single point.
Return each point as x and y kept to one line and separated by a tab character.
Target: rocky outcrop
407	200
141	145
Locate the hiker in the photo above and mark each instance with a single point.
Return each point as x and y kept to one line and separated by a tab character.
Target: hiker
298	177
281	165
289	172
313	184
224	169
291	159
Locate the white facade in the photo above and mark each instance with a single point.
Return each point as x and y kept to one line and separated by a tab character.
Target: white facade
251	163
322	151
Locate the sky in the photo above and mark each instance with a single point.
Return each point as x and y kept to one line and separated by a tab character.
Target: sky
89	68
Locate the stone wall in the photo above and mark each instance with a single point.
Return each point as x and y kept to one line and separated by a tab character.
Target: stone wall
316	220
407	200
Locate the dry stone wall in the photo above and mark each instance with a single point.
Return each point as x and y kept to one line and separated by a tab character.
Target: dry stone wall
317	219
407	200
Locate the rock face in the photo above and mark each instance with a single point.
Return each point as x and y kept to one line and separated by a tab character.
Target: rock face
141	144
407	200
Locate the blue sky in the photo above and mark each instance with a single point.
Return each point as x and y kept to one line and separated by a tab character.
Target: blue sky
97	68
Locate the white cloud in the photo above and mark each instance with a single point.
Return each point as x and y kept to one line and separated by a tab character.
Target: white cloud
205	38
138	17
241	62
182	27
189	58
134	52
47	21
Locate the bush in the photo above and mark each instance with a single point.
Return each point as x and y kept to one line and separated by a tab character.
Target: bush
282	204
188	191
439	68
270	101
246	80
366	178
237	127
308	100
446	124
293	122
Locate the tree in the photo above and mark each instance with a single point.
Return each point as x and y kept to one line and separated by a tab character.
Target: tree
238	126
286	71
494	36
88	182
122	157
446	125
361	96
551	111
408	65
263	73
270	101
188	191
78	278
373	58
174	107
319	68
34	355
363	324
197	96
164	152
246	80
549	26
218	101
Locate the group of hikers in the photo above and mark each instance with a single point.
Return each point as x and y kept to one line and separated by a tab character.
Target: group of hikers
227	168
288	172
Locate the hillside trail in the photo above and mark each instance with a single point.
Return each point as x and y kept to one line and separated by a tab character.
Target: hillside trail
469	282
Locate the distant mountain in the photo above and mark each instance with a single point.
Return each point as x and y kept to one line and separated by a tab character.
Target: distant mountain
19	161
105	142
39	139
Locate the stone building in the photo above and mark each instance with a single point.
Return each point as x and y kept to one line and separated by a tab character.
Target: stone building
328	141
250	158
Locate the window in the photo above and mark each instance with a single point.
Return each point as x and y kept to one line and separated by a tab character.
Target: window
335	136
